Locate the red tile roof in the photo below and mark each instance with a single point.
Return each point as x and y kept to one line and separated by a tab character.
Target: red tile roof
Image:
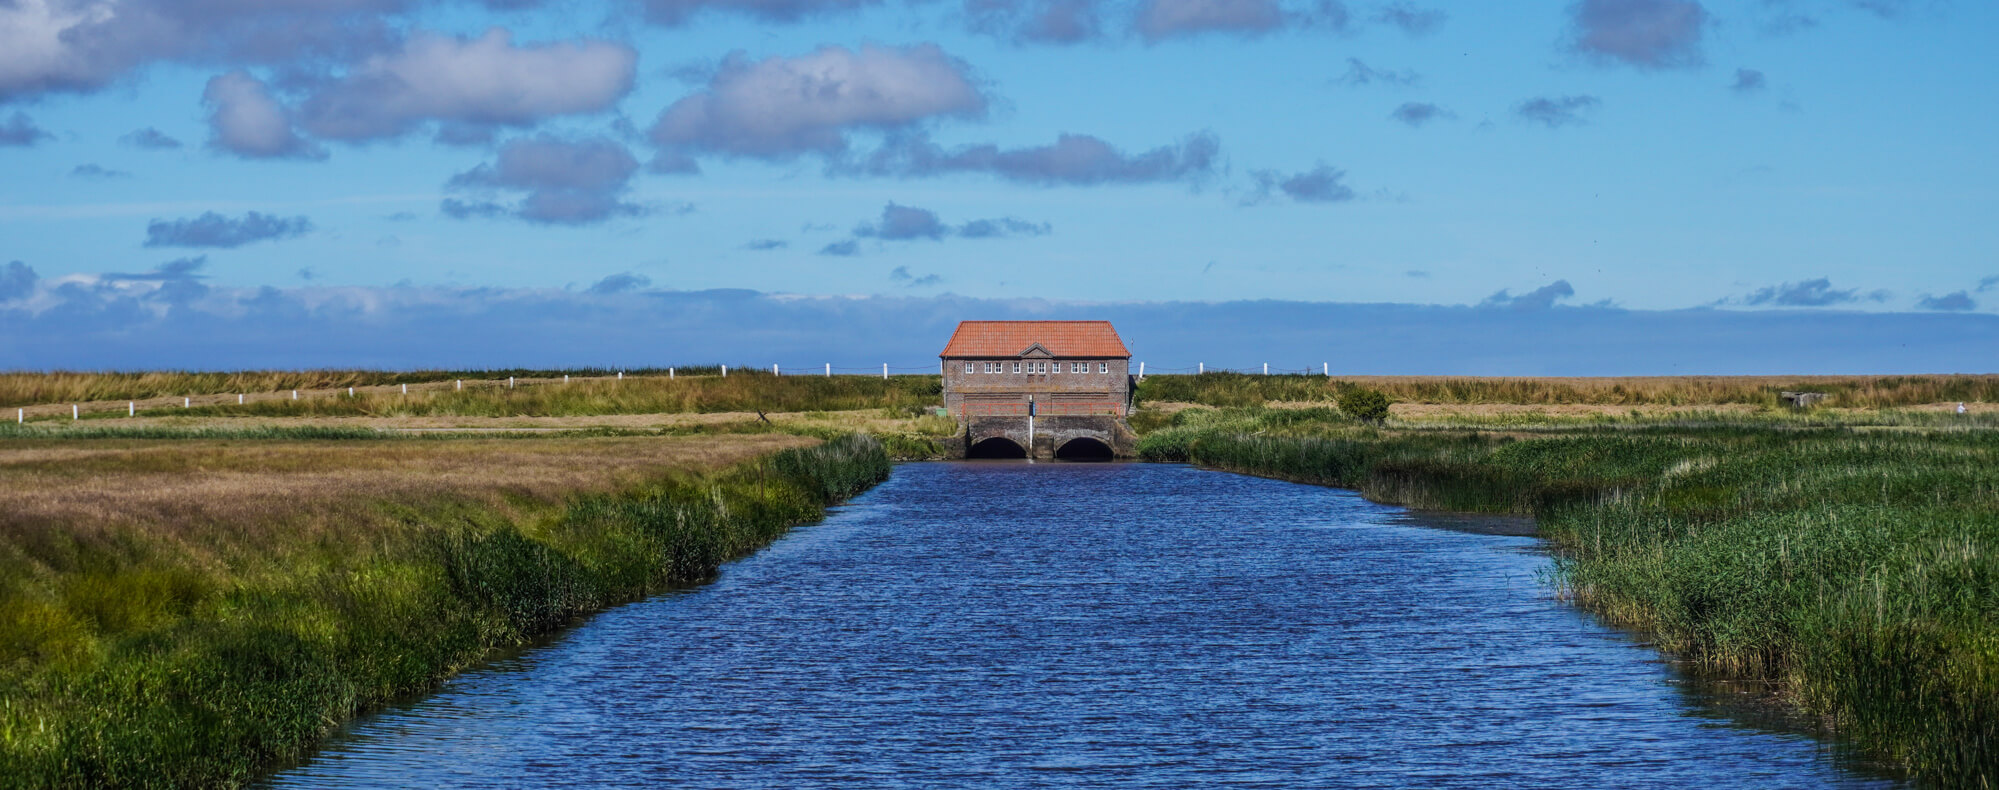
1009	338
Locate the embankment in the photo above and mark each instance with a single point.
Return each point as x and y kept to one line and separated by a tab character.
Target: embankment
1859	569
238	599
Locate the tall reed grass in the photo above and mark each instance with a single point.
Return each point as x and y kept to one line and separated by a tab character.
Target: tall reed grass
1858	569
198	657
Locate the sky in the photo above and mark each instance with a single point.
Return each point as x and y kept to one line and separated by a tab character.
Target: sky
1379	186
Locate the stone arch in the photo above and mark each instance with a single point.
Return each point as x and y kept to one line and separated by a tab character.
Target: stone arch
1085	448
996	447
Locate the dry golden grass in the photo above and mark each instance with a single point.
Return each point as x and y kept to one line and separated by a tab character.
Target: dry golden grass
195	490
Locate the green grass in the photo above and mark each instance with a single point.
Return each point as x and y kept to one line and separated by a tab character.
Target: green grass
1860	569
129	659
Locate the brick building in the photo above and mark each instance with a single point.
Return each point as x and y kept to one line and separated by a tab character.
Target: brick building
1061	368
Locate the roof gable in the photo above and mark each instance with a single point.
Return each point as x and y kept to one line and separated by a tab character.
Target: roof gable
1017	338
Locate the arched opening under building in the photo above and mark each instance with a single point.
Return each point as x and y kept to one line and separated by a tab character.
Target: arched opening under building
996	447
1084	449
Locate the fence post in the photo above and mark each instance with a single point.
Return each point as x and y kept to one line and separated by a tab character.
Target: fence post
406	389
73	413
294	394
669	374
884	371
1266	368
829	370
725	371
1327	368
773	369
1141	371
1201	367
131	409
239	398
186	403
461	384
510	382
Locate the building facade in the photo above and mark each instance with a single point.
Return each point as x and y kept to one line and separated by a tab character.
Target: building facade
1040	368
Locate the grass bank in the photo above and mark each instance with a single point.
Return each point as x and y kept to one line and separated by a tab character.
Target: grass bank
188	612
1859	569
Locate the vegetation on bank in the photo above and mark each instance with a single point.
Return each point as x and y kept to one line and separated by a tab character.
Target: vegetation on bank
185	613
1859	568
1248	389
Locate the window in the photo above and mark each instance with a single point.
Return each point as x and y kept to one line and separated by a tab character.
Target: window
1103	367
968	368
1016	367
989	368
1079	367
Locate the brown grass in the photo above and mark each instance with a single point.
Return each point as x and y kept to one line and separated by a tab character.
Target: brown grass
203	491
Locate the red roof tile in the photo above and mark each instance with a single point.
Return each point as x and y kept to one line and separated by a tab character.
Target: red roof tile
1009	338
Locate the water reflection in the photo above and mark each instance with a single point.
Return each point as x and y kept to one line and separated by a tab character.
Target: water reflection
1110	625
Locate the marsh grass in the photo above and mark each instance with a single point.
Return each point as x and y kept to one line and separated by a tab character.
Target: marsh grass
1857	568
1243	389
185	613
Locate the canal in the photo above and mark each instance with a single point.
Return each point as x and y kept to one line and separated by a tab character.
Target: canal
996	624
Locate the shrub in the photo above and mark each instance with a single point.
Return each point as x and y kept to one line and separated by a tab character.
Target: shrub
1366	405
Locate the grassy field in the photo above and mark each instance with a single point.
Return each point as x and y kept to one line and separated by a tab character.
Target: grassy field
184	611
1241	389
1857	567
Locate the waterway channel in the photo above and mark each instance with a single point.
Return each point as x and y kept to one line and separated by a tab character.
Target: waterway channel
1001	624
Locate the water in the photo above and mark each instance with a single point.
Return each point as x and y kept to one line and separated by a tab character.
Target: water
1117	625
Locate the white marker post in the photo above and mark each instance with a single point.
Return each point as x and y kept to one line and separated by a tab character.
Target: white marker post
621	375
829	370
1327	368
406	389
510	382
1266	368
186	403
1141	371
73	413
1201	367
669	374
131	409
350	392
461	384
725	371
239	398
294	394
20	415
884	371
773	370
565	378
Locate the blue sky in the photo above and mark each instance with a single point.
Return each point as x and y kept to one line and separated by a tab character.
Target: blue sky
170	165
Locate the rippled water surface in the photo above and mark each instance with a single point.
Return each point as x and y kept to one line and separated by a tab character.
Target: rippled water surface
1116	625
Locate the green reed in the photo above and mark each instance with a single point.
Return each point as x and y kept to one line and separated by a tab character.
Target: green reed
125	662
1858	568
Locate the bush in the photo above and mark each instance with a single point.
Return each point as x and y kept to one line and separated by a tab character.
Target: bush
1364	404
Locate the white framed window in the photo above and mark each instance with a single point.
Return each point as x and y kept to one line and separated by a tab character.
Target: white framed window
1016	367
1079	367
968	367
1103	367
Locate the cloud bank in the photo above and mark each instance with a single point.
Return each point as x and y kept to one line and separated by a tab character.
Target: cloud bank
94	322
